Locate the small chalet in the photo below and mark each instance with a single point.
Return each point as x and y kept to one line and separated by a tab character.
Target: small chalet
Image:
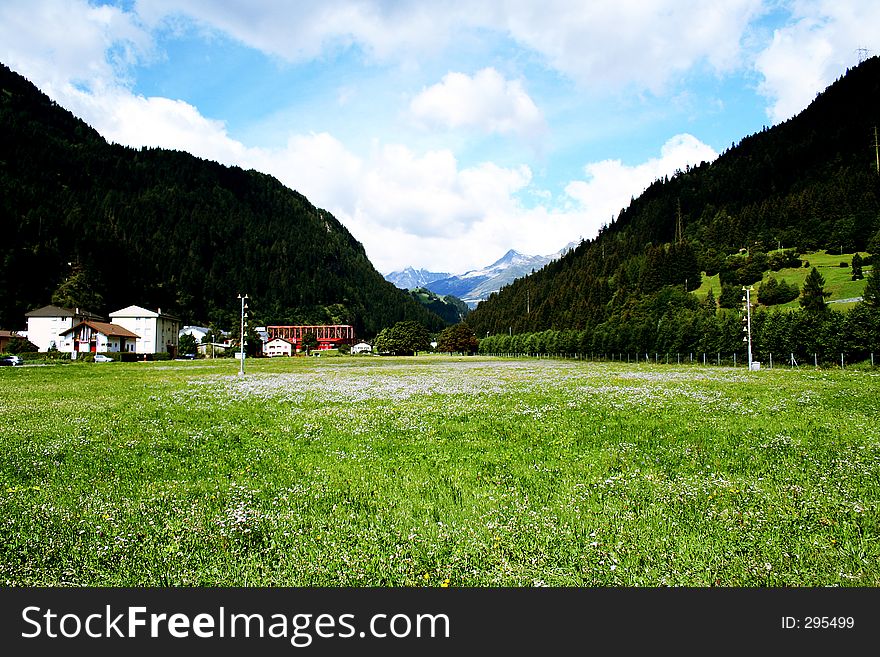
97	337
362	348
279	347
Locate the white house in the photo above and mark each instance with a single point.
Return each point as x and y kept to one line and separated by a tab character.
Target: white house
157	332
45	325
279	347
362	348
97	337
198	332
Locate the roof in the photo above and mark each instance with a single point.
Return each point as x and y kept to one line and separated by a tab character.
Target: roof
10	334
138	311
282	340
56	311
110	330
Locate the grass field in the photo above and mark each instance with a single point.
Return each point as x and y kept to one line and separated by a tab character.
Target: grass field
437	471
838	280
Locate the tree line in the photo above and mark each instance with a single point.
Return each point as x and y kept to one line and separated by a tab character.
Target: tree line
674	322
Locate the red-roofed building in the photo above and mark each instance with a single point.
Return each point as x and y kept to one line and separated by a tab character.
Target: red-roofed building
97	337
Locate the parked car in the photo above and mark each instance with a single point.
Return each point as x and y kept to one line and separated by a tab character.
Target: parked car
101	358
11	360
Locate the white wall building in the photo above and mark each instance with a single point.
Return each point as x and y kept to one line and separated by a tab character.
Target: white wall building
198	332
157	332
45	325
97	338
279	347
362	348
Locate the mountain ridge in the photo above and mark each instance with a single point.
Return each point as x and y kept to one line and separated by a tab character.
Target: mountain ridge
475	285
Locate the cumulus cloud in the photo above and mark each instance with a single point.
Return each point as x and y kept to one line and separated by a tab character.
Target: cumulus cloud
644	43
808	54
67	43
306	29
610	184
484	101
613	43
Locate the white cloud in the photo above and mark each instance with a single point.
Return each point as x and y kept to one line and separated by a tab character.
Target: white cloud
486	102
308	29
608	43
618	43
131	120
807	55
610	184
61	43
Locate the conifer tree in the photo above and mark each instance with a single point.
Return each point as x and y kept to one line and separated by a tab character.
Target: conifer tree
857	267
871	295
813	295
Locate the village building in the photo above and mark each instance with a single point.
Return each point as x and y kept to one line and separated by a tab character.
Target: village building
329	336
198	332
97	338
156	332
279	347
6	337
45	325
362	348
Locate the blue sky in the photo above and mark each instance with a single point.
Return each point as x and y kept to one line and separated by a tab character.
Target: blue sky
442	134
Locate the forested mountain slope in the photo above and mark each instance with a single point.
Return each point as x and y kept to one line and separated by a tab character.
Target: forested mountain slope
809	183
161	228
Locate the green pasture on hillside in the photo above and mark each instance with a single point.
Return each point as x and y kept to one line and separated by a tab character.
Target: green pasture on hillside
437	471
838	280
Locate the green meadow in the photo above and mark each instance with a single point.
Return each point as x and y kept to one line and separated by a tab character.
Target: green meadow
437	471
838	280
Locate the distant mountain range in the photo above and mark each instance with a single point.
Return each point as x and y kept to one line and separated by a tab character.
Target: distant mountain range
410	278
477	284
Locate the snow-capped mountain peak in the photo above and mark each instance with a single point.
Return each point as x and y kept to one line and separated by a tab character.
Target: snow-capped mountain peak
477	284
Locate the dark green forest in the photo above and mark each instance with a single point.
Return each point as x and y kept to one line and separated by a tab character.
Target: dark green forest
117	226
809	183
451	309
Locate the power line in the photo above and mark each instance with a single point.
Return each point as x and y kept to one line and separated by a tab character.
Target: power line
877	149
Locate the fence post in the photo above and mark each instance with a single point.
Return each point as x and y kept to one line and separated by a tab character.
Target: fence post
734	359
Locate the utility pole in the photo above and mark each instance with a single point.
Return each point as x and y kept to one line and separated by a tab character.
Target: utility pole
747	329
244	308
679	233
877	150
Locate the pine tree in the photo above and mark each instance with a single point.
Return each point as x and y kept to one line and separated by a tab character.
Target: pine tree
857	267
813	295
871	295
